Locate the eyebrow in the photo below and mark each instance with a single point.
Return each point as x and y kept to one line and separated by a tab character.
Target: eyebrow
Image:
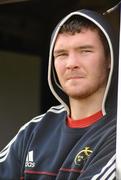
79	47
86	47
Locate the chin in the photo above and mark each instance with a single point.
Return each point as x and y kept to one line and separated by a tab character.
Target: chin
77	95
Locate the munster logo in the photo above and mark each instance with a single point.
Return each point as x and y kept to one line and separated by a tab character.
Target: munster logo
82	156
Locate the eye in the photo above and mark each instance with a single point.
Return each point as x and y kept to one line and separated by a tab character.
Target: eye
60	55
86	51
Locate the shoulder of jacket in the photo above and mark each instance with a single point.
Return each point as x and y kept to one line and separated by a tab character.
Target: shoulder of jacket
35	120
29	127
57	109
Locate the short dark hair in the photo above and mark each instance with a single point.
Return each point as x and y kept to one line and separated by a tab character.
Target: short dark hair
75	25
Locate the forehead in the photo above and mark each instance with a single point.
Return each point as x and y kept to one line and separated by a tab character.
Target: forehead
85	36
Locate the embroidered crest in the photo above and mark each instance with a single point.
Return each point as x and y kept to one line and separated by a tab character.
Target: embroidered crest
82	156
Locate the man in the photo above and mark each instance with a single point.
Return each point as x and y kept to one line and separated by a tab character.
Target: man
75	140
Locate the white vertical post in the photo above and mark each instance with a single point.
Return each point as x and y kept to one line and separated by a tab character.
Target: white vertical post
118	144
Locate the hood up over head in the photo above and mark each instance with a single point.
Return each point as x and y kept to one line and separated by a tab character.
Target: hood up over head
110	97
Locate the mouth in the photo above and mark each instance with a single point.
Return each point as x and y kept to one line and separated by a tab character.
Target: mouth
75	77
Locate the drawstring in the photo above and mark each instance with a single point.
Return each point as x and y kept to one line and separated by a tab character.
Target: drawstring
112	9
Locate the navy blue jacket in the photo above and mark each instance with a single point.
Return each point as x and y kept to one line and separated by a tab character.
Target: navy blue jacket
46	148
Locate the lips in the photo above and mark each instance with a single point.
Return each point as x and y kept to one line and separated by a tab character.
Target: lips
74	77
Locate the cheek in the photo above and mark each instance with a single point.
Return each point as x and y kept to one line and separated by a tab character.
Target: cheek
59	67
100	71
99	63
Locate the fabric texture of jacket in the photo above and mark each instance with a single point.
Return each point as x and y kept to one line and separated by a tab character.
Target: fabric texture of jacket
45	148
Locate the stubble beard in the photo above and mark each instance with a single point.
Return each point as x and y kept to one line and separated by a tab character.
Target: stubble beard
80	93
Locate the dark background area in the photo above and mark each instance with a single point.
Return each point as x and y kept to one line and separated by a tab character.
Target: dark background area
26	27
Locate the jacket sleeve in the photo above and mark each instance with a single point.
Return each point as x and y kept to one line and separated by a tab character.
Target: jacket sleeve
12	157
10	164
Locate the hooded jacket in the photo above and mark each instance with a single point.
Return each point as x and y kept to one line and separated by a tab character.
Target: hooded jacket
45	148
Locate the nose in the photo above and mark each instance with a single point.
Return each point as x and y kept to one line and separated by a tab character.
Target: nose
72	62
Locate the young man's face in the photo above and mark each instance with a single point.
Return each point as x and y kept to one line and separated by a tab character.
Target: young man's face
80	63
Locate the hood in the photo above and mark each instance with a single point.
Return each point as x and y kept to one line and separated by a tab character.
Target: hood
110	96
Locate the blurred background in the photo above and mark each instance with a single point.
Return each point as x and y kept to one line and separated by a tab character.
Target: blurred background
25	31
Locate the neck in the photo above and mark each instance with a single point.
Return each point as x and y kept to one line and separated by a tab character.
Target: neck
82	108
